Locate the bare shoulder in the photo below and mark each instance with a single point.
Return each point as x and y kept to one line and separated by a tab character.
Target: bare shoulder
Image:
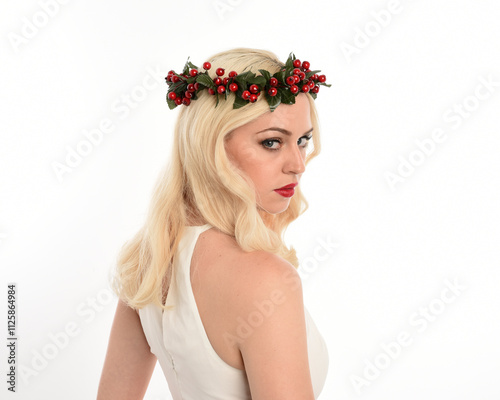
260	299
264	274
243	275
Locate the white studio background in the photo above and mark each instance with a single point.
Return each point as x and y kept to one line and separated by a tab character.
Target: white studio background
399	248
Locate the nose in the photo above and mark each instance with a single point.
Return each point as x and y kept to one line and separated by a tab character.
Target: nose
295	160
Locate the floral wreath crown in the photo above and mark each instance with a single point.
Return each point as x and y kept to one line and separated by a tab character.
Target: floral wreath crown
280	88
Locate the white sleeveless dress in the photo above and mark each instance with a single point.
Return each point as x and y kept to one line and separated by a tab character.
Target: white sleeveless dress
194	371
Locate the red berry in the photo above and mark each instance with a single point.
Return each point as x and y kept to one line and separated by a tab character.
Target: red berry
297	79
186	101
246	95
253	98
175	78
302	75
305	88
306	64
294	89
273	82
196	86
297	63
220	71
171	72
296	71
168	78
211	91
193	72
190	88
258	94
221	89
218	81
315	89
233	87
225	81
254	88
207	65
290	80
178	101
273	91
188	94
314	77
172	95
322	78
232	74
310	83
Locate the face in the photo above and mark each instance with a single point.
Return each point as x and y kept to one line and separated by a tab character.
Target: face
271	150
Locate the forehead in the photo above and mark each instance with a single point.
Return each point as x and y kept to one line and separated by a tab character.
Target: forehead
294	117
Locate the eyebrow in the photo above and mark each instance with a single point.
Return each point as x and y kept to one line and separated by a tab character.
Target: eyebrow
284	131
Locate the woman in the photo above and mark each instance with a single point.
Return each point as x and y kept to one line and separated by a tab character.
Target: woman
207	287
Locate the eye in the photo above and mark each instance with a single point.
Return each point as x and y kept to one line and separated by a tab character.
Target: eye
306	138
271	141
264	142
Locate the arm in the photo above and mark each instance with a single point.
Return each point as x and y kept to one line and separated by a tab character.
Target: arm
129	362
275	353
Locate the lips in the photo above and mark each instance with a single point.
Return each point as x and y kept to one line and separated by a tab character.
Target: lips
290	186
286	191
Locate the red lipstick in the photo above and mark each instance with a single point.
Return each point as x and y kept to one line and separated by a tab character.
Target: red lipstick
286	191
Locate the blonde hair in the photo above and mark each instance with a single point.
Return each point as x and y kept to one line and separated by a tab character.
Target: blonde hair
200	177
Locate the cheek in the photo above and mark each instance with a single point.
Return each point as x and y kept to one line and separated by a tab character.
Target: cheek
260	174
242	154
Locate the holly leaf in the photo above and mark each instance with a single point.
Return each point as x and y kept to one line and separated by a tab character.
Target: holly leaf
239	102
313	95
205	80
242	79
289	62
287	97
265	74
260	81
191	65
171	103
311	73
274	101
178	87
280	76
185	69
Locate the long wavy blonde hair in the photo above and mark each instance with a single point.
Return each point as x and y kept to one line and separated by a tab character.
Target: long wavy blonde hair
200	180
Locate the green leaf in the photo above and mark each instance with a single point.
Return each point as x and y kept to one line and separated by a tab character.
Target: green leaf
239	102
205	80
185	70
274	101
241	79
178	87
259	80
265	74
289	62
313	95
287	97
191	65
171	103
280	76
311	73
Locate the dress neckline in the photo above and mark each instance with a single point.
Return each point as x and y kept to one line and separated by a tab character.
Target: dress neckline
198	226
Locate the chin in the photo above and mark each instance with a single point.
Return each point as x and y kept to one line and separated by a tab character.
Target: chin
274	209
